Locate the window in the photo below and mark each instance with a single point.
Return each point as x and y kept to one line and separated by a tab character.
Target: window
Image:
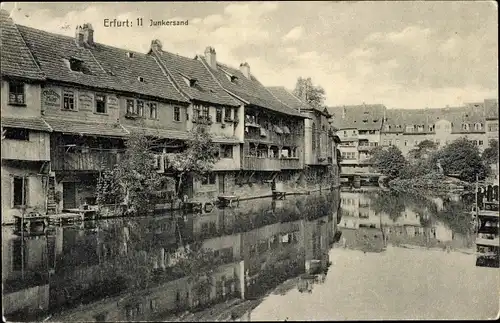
16	134
390	142
100	103
465	126
406	142
218	115
228	114
196	112
385	142
493	127
397	142
153	110
409	128
205	111
208	179
140	108
313	139
227	151
68	100
480	142
345	132
20	191
130	106
478	126
177	114
16	93
77	65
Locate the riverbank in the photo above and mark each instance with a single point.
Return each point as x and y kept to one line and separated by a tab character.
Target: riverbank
433	184
111	212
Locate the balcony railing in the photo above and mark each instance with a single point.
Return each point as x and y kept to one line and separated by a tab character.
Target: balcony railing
202	119
85	161
261	163
290	163
25	150
366	148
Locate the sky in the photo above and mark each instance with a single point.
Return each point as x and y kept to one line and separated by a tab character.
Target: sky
405	55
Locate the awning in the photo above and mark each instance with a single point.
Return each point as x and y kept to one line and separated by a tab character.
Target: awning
278	130
286	130
26	123
87	128
158	132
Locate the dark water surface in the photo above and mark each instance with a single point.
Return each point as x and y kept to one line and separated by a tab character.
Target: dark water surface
398	257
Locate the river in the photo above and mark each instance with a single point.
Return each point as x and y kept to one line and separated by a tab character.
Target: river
398	257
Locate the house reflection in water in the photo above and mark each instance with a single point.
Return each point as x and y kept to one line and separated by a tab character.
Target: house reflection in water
143	268
370	221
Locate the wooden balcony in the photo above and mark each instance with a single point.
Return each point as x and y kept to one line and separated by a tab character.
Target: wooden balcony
290	163
84	161
261	163
26	150
366	148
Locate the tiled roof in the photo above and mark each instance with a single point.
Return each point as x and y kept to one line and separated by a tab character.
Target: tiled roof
128	70
428	117
286	97
158	133
362	117
25	123
87	128
16	59
249	90
109	67
491	108
205	89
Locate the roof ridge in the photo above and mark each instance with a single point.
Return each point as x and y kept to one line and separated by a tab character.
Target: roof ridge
72	38
202	60
168	73
29	49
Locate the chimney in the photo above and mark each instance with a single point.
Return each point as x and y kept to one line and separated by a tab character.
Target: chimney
156	45
84	34
211	57
79	36
245	69
88	34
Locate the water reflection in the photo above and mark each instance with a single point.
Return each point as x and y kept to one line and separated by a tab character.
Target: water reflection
372	220
147	268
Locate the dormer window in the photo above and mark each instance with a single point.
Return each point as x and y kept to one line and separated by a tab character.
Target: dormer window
130	54
77	65
140	79
189	80
465	126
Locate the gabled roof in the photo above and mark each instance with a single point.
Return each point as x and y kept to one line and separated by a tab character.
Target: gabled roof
205	89
288	98
362	117
251	91
109	67
470	114
15	57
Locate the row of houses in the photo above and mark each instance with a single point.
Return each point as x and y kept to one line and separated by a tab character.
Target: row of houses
246	259
364	127
69	103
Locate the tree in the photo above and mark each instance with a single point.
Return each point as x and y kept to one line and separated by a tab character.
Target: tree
423	149
109	189
389	161
310	93
137	173
197	159
461	158
490	154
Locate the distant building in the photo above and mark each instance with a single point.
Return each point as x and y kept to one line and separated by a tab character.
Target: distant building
359	128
